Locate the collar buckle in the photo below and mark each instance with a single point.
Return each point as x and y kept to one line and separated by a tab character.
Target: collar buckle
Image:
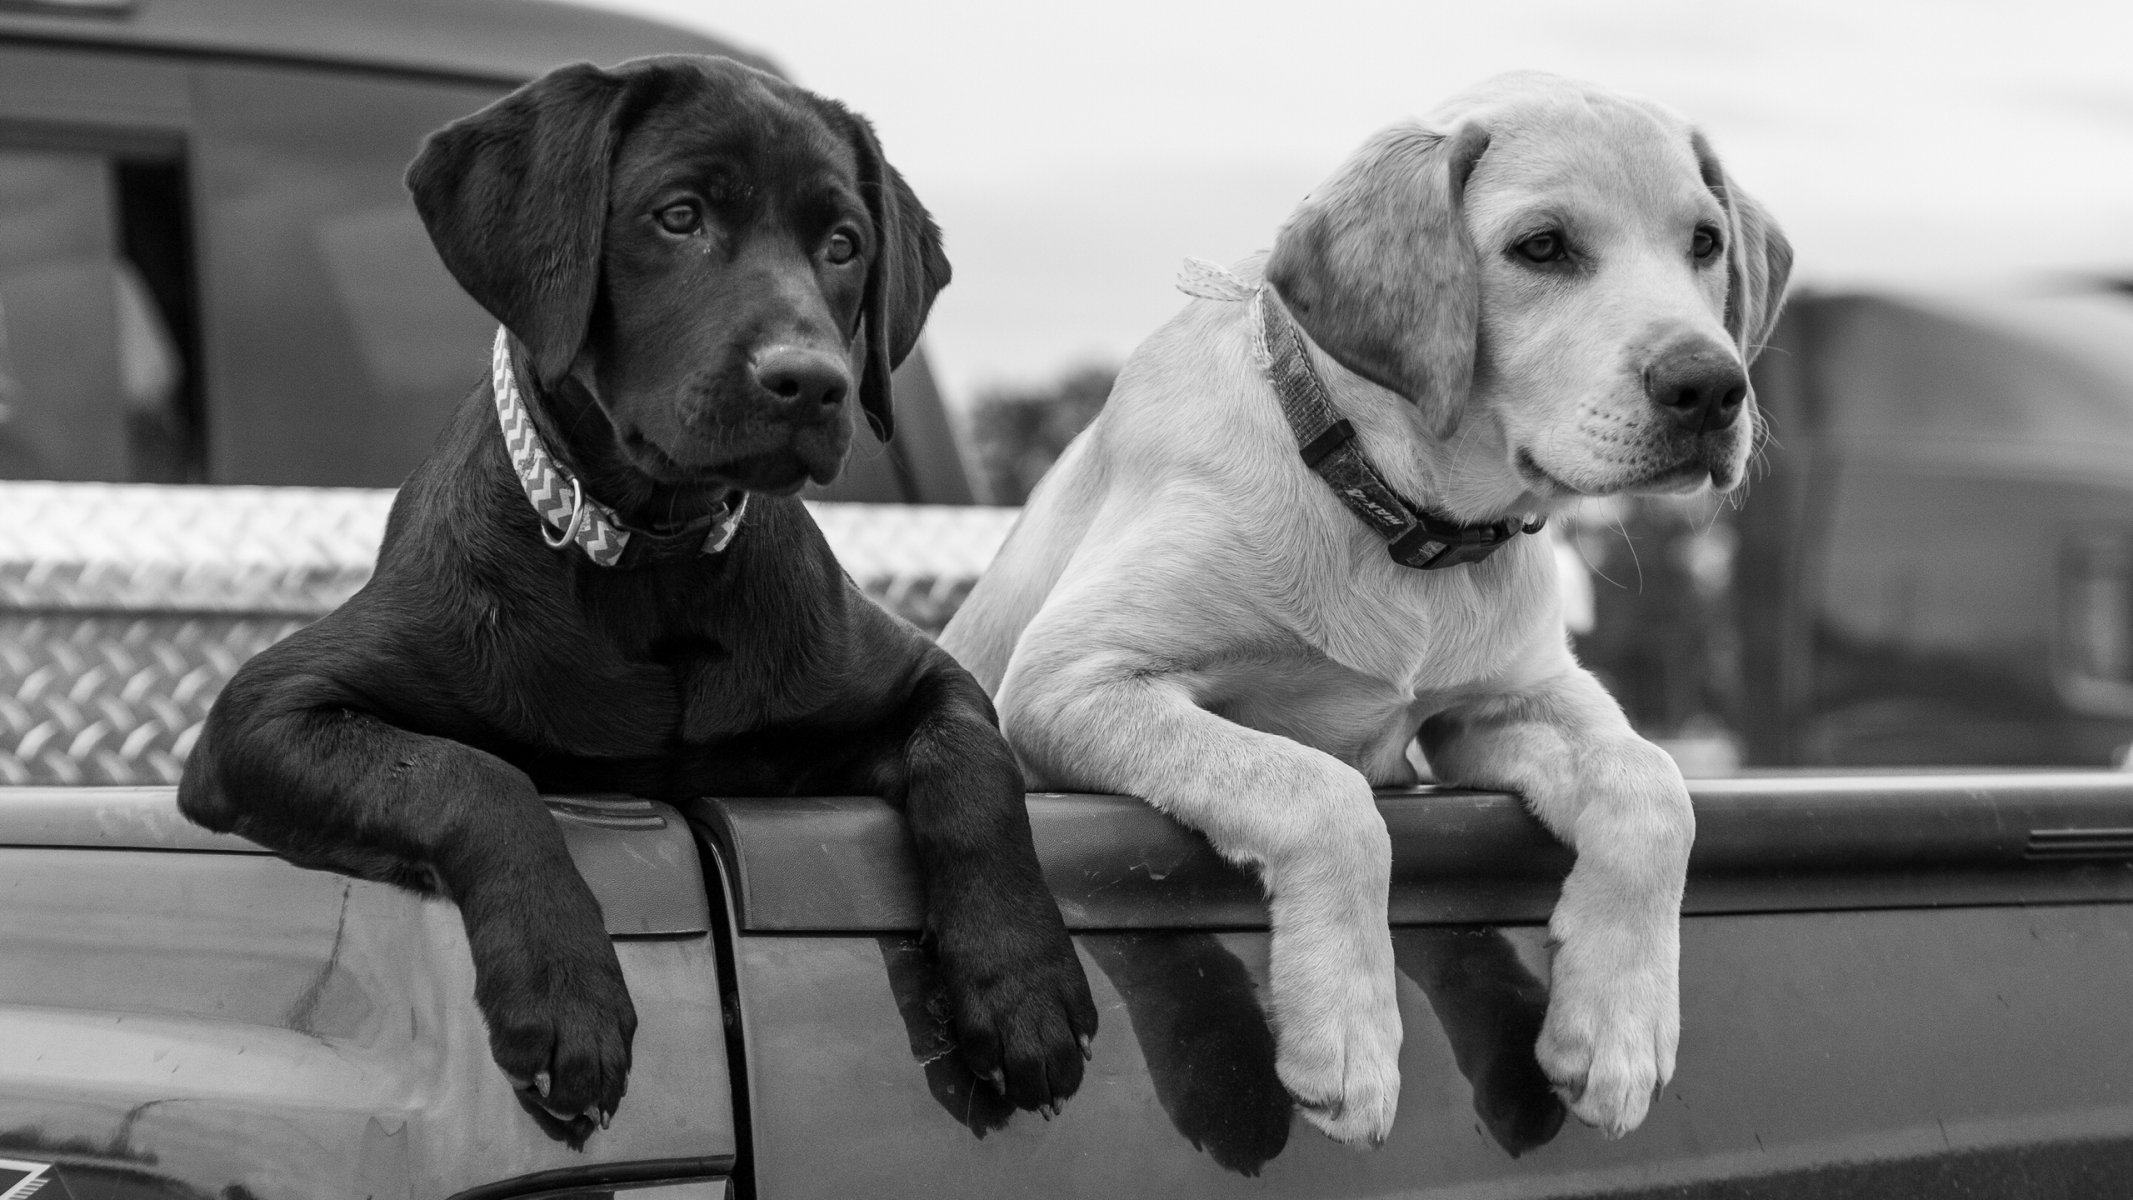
1433	545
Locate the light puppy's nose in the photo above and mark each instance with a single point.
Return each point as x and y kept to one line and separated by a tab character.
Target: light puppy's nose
1700	385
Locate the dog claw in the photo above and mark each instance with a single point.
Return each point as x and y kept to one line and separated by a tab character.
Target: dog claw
1088	1048
998	1080
540	1084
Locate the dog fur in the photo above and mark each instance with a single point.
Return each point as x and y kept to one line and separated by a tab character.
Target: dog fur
701	267
1185	612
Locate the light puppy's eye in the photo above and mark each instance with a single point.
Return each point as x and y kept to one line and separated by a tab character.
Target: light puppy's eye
1543	248
680	219
1706	244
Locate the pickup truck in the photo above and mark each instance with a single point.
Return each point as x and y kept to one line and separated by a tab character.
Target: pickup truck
1894	984
1933	565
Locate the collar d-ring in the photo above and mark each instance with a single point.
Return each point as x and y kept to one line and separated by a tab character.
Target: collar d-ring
584	520
577	518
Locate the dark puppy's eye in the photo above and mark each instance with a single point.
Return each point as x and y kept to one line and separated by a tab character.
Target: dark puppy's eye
1705	243
841	248
1543	248
679	219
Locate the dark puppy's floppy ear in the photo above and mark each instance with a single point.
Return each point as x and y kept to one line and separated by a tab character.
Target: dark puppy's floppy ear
1758	258
1377	267
515	198
908	271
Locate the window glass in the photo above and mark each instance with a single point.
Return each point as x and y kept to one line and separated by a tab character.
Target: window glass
2095	658
336	341
95	374
63	395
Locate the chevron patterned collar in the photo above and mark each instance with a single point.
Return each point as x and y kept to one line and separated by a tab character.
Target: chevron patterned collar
573	516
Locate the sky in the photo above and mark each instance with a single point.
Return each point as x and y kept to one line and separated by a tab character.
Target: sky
1075	153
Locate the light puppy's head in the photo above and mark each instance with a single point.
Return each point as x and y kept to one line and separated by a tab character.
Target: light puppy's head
1561	274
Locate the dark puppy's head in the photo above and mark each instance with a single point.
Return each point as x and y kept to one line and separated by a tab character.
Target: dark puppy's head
707	262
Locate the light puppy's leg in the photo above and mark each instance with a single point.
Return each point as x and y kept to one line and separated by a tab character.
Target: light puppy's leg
1085	710
1614	1009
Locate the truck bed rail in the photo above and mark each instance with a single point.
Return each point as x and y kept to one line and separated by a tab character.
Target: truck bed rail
1778	843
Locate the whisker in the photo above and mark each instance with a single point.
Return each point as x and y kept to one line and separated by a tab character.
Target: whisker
1631	543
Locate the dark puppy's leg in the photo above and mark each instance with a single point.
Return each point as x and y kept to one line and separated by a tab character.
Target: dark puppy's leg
1024	1018
288	760
915	985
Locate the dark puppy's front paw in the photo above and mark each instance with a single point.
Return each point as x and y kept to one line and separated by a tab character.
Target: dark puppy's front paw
560	1024
1023	1016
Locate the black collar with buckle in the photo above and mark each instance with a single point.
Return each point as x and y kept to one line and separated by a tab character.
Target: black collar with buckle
1413	536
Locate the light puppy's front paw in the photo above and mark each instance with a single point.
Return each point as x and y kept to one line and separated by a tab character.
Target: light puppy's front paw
1614	1020
1337	1028
1336	1012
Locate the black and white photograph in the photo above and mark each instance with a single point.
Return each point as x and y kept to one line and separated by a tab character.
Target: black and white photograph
689	600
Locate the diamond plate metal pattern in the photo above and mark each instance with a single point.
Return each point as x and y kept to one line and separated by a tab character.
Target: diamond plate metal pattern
111	698
124	609
917	560
77	546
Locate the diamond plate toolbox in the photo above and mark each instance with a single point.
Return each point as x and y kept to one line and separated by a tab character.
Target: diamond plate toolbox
124	608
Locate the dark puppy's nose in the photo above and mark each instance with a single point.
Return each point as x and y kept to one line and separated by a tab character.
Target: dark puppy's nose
1701	386
810	383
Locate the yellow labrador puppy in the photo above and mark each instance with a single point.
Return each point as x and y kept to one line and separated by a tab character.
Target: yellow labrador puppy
1298	540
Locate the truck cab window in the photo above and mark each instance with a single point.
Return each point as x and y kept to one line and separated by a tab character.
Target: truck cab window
97	359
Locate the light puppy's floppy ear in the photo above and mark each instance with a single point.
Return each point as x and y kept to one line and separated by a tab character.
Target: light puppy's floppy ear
515	200
908	271
1758	258
1378	268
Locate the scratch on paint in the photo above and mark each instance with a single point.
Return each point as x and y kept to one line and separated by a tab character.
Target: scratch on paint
304	1011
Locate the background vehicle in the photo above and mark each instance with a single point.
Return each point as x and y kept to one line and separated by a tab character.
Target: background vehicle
1934	565
1894	983
209	269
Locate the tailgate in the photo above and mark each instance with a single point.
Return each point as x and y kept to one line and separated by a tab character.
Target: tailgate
184	1015
1890	986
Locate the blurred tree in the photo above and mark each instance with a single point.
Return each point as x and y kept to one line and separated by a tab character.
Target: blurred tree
1018	433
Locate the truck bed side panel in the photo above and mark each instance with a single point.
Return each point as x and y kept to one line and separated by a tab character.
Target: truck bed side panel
180	1009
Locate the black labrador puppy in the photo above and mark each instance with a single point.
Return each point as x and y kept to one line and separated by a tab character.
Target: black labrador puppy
695	262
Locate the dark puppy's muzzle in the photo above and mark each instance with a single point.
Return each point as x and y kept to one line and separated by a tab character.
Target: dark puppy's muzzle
803	386
1697	383
798	402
